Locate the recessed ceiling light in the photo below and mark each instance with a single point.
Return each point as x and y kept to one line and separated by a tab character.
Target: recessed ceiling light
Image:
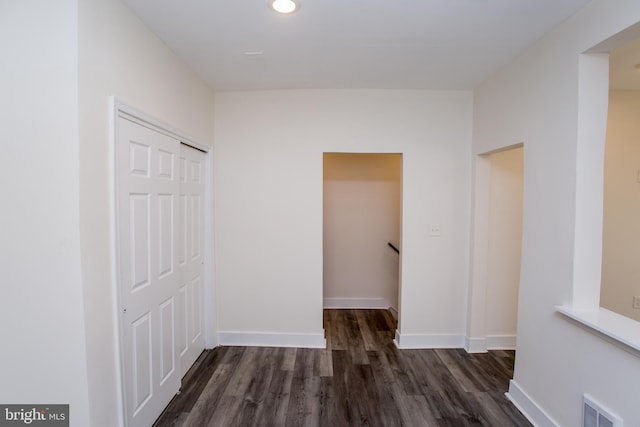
283	6
254	54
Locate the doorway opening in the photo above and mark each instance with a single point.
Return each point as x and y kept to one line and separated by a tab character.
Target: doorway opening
362	199
498	214
504	250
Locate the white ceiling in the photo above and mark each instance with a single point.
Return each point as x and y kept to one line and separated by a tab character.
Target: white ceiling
381	44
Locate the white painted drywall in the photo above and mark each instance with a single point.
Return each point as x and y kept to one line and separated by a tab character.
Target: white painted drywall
505	238
119	56
42	355
268	176
361	215
621	228
535	100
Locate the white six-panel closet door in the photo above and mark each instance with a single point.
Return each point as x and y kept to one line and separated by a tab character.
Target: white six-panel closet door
160	246
190	248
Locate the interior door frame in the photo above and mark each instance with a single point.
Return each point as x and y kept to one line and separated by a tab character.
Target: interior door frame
120	109
476	334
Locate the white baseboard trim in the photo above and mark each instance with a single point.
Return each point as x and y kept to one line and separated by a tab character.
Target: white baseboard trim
529	408
394	312
475	345
420	341
501	342
355	303
490	342
271	339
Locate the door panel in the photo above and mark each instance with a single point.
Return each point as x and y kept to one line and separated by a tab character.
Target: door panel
140	158
149	276
181	321
165	164
142	363
167	345
165	238
196	330
140	255
182	239
196	217
191	248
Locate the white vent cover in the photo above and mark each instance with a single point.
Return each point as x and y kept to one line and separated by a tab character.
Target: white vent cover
595	415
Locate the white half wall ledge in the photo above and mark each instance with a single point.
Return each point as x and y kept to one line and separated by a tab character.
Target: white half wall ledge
427	341
272	339
529	408
609	325
355	303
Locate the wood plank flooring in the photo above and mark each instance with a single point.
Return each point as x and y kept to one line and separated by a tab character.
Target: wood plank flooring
361	379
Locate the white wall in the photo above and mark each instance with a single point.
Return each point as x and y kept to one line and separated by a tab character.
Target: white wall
621	229
41	312
268	175
361	215
535	100
119	56
505	238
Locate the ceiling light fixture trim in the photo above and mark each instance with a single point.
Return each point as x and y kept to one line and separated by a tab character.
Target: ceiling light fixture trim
284	6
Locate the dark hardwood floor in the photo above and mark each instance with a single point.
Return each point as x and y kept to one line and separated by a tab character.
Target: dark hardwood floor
361	379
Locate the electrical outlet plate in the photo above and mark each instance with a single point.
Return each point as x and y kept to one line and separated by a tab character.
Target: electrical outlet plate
434	231
636	302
